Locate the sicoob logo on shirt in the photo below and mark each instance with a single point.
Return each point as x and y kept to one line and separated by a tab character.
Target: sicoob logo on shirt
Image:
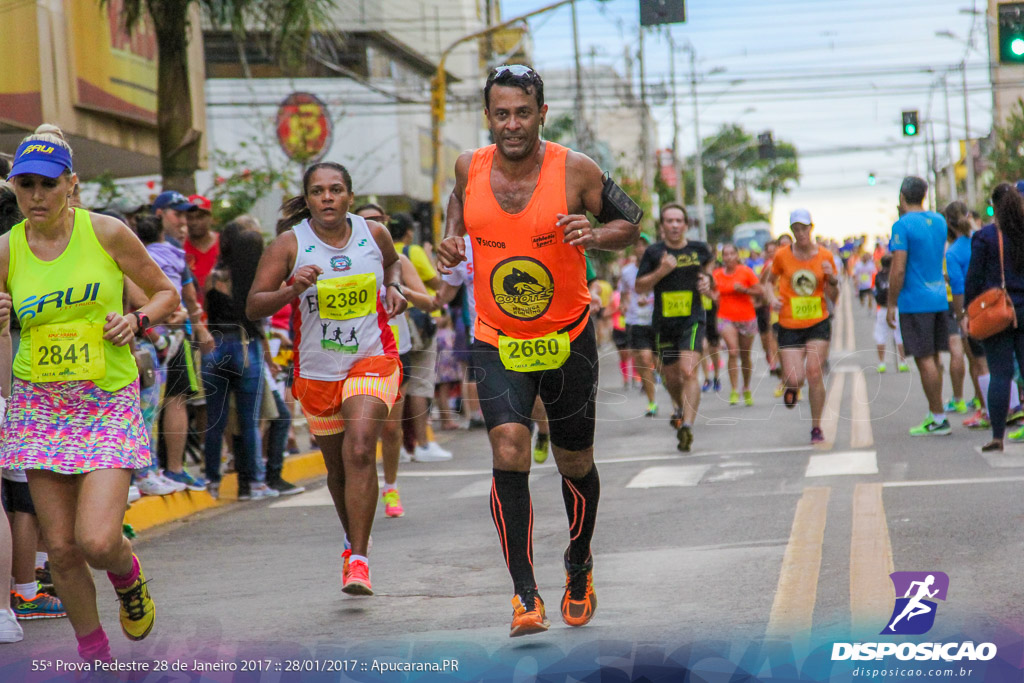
522	287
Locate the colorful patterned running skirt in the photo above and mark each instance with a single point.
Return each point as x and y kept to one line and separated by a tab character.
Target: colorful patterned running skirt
73	428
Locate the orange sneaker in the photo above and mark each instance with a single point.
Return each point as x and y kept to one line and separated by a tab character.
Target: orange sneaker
356	580
529	615
579	600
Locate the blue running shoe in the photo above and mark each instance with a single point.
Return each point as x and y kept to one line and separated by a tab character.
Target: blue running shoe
42	606
183	477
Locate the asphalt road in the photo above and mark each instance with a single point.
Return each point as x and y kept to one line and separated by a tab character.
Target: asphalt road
755	537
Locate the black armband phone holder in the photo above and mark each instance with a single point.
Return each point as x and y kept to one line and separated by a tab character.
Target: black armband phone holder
616	204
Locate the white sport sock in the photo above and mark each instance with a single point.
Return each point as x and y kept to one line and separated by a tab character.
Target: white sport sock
26	590
939	417
358	557
1014	397
41	559
389	487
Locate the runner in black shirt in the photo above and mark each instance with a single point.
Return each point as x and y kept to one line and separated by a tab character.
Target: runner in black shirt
675	270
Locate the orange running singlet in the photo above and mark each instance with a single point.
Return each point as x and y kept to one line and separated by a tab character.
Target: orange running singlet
529	283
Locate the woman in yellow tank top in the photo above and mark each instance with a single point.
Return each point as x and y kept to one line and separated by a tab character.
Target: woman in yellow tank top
73	420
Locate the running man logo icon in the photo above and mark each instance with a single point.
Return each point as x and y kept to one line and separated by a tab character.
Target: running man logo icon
914	613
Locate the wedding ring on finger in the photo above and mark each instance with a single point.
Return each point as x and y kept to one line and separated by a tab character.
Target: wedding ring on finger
579	234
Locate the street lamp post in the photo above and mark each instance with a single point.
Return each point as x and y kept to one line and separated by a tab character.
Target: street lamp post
968	151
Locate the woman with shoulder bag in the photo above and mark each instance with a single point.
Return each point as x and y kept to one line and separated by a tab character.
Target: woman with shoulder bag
997	261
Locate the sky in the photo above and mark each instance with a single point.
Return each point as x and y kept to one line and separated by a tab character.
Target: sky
830	77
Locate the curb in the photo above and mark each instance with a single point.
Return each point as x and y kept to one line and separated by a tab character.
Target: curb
151	511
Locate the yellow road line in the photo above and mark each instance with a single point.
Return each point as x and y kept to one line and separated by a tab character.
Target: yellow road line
831	411
861	435
797	591
871	591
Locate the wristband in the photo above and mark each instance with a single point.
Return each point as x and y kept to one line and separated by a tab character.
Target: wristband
396	285
141	321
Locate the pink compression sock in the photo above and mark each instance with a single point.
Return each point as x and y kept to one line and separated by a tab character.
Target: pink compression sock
129	578
94	646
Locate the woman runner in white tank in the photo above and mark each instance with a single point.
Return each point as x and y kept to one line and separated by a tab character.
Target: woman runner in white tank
344	273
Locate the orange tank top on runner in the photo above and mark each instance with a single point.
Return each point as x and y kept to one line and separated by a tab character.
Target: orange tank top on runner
529	284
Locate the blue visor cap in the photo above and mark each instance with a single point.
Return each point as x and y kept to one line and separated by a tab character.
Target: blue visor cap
42	158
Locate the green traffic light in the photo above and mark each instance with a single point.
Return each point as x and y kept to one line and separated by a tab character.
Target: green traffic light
871	179
1017	47
911	129
990	211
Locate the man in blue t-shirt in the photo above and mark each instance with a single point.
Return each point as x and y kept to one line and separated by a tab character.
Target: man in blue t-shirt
917	288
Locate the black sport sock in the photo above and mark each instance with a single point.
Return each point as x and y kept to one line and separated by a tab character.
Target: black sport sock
512	513
581	496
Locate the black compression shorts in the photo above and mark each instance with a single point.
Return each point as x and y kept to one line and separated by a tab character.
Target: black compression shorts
568	392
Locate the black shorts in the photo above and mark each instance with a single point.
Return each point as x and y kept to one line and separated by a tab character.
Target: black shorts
954	326
568	392
791	338
924	334
670	345
764	319
181	373
16	497
640	337
620	339
977	348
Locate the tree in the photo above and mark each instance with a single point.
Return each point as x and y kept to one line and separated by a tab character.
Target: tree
288	24
734	174
1007	155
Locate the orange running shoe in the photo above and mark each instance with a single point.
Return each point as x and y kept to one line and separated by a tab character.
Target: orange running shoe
529	616
579	600
357	579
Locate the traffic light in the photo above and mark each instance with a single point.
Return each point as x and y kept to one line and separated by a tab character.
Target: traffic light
910	126
871	179
655	12
1011	33
765	145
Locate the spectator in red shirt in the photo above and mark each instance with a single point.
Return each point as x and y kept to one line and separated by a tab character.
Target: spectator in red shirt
202	246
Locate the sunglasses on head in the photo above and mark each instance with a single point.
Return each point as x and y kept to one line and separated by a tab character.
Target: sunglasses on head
514	69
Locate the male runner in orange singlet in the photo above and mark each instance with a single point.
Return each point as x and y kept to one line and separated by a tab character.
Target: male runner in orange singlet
523	203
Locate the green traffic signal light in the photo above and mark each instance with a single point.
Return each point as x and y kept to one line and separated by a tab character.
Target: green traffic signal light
1010	18
910	127
871	178
990	212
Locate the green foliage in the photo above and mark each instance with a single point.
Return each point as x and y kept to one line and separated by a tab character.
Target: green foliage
239	184
1007	156
733	174
106	189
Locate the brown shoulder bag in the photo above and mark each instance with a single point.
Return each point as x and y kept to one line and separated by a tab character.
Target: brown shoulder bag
992	311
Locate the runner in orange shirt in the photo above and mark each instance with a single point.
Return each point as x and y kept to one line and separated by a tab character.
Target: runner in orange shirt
806	274
523	203
735	286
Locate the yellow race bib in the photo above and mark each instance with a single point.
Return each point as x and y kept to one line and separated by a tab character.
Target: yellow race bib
351	296
63	352
707	302
527	355
676	304
806	307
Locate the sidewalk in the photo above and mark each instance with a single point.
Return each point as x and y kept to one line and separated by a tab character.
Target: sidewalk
150	511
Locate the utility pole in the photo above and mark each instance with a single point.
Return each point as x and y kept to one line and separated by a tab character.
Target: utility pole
951	176
699	170
645	179
583	138
969	153
676	162
929	134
